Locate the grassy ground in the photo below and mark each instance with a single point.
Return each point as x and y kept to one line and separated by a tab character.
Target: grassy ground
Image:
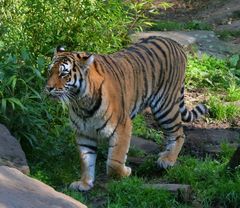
212	185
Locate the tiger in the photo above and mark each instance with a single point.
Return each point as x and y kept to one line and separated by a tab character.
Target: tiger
105	92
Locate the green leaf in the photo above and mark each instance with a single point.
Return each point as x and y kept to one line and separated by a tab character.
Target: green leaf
16	101
4	105
234	60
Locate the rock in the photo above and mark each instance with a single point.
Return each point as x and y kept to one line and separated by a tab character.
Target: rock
203	142
11	153
205	42
147	146
234	161
137	161
182	191
234	26
21	191
181	37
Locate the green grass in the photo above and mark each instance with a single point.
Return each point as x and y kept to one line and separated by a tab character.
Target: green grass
210	72
140	129
209	180
227	35
233	93
127	192
222	111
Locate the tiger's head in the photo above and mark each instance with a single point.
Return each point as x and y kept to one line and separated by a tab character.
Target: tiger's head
68	73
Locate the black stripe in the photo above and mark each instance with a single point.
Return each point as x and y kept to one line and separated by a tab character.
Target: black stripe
97	103
135	81
115	128
165	113
115	160
89	152
182	90
153	67
173	128
105	123
74	66
144	67
74	123
184	113
171	120
182	104
89	146
199	109
117	77
135	84
194	113
178	137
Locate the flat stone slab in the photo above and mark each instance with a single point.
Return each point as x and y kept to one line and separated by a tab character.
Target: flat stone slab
11	153
204	41
201	141
20	191
147	146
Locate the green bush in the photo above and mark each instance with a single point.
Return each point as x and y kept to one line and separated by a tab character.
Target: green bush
40	25
30	30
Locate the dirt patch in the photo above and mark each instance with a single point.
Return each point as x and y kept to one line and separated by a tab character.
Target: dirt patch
211	11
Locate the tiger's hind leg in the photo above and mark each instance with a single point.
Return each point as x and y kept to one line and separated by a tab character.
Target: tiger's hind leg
171	123
87	149
118	148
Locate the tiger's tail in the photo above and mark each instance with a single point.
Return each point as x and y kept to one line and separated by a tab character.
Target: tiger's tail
189	116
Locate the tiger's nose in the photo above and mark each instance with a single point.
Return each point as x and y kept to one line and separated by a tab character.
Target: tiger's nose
49	88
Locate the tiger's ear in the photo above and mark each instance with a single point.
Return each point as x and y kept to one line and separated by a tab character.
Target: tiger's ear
59	49
89	60
86	62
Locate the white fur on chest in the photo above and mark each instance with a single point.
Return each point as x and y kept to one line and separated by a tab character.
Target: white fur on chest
89	126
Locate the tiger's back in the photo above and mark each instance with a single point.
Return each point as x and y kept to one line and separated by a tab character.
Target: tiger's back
105	92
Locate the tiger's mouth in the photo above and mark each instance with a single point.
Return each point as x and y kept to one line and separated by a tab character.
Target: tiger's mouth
53	94
54	97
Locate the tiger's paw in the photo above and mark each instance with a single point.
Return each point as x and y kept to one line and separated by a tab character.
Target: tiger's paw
165	160
127	171
119	171
81	186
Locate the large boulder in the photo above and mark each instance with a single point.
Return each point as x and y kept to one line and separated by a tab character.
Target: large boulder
199	41
11	153
21	191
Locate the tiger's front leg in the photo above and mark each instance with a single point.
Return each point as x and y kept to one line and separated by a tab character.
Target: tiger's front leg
87	149
118	148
